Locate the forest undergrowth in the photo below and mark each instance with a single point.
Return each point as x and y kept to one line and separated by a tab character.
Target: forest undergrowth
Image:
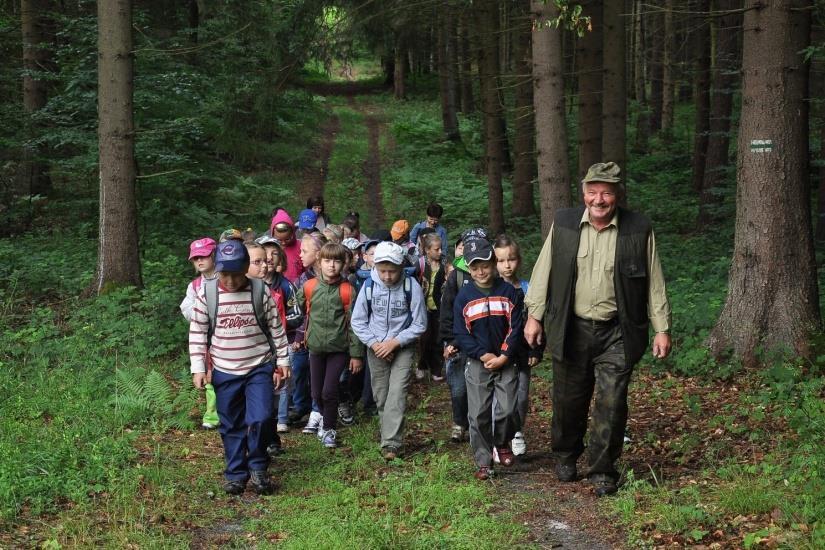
99	443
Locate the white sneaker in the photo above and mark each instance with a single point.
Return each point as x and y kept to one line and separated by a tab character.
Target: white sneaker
282	428
457	434
518	444
314	424
420	374
495	456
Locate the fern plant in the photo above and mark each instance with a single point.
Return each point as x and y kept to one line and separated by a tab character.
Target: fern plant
143	395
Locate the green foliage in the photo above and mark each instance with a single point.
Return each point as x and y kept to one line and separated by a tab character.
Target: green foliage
142	395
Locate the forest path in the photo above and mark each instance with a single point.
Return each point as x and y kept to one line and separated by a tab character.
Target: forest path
316	173
374	121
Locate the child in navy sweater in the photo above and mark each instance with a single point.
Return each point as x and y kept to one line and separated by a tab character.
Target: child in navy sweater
488	326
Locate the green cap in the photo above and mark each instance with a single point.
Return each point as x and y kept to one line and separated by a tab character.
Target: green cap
606	172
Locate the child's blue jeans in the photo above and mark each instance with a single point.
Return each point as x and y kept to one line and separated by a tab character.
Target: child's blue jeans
247	428
458	389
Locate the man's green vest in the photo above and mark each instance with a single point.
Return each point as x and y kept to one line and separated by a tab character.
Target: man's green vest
630	279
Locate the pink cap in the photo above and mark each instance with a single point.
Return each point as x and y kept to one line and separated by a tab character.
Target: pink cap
202	247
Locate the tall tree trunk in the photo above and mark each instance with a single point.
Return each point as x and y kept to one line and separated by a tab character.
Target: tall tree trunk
466	62
446	76
194	21
524	158
488	71
118	261
723	87
654	27
614	103
34	174
772	299
818	102
452	36
589	70
701	94
548	100
399	87
643	117
668	69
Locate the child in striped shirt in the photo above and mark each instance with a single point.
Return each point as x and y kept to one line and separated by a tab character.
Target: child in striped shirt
248	364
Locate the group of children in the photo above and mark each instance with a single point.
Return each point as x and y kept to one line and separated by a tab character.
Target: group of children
322	317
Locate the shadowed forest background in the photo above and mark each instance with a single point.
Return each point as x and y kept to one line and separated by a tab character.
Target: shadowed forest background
130	128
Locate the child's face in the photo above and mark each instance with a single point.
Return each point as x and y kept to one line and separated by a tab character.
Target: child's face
432	221
482	272
257	263
459	249
232	281
506	262
434	252
331	269
273	259
389	273
369	257
317	210
309	253
203	264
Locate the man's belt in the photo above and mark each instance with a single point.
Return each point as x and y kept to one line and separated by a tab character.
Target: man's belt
598	325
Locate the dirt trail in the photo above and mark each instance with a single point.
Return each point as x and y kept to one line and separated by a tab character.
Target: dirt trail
372	171
316	174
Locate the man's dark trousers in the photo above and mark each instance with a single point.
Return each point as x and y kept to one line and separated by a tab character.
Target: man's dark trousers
596	362
245	407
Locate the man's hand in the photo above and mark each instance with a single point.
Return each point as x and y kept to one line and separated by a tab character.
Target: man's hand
496	362
199	380
661	345
449	351
384	350
487	357
355	365
532	332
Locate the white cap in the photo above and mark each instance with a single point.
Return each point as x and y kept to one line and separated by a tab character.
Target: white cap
389	252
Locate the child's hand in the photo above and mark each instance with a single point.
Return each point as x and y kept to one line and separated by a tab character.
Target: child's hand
532	361
496	363
383	350
487	357
449	351
199	380
355	365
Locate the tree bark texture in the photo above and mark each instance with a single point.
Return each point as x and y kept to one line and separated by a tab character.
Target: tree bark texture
524	157
487	19
668	69
399	88
466	62
654	27
118	255
772	289
724	80
548	100
701	95
33	172
446	74
640	83
817	94
590	70
614	102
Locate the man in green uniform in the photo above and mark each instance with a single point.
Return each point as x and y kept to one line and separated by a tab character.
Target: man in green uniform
599	287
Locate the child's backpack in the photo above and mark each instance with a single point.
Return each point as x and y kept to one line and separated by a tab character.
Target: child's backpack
259	291
369	283
344	290
294	316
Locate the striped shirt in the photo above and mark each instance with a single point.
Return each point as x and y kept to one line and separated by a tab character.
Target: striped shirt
238	345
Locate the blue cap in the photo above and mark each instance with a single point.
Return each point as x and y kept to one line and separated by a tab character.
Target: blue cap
232	256
477	248
307	219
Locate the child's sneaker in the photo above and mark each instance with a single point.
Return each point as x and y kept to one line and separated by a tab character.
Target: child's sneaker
518	444
484	473
208	426
283	428
314	423
420	374
261	482
345	414
457	434
495	456
505	457
234	486
328	438
438	378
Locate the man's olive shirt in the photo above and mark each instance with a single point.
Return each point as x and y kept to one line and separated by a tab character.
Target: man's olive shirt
595	295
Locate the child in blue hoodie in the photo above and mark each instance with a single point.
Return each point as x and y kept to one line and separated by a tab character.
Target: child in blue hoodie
488	326
389	316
